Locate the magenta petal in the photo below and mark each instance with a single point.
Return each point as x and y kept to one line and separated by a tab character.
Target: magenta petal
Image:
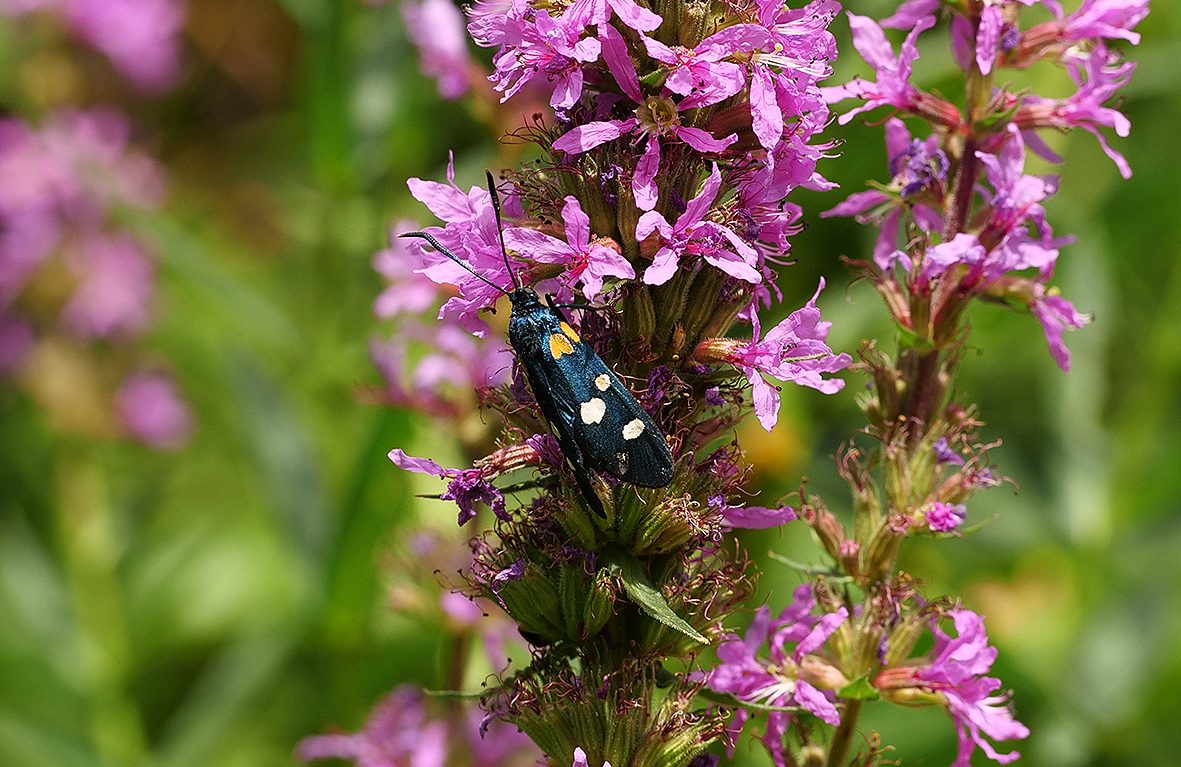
635	16
659	50
698	207
1056	314
758	517
538	245
567	91
650	222
619	62
644	179
663	267
857	203
703	141
871	42
733	266
897	139
766	116
988	37
419	465
766	398
577	224
591	135
816	702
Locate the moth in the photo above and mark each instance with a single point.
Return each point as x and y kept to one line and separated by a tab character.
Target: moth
598	423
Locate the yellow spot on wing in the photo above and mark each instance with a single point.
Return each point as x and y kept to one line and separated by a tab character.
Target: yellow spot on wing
570	332
559	345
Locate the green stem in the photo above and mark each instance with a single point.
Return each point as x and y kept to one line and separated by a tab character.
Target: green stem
89	553
844	734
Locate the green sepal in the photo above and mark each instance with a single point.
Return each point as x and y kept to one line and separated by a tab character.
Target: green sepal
647	597
908	339
859	689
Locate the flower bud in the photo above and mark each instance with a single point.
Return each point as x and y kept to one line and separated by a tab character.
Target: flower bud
821	674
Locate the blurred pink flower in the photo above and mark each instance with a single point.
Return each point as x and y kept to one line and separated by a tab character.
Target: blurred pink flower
140	37
153	412
435	27
115	282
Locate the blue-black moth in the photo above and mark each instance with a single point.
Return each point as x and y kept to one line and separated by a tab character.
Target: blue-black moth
598	423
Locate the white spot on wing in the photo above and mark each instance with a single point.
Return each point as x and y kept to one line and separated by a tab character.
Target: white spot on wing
593	410
633	428
602	382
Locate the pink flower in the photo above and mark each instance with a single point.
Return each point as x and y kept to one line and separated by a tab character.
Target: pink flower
140	37
892	86
944	517
916	166
1112	19
586	259
782	678
794	350
656	119
956	670
1098	76
1057	315
397	732
699	73
153	412
436	29
550	47
115	285
467	486
470	232
693	235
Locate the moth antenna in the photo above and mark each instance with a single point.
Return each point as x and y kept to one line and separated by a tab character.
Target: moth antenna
500	228
439	247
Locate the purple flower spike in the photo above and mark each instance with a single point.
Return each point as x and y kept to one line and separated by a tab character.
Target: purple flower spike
589	260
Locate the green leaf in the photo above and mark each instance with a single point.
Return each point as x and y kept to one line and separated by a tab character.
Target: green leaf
908	339
858	689
648	598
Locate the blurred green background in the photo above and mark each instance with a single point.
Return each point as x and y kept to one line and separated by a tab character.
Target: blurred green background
213	606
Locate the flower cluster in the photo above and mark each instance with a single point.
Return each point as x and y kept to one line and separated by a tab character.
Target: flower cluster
660	200
996	241
76	285
958	220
